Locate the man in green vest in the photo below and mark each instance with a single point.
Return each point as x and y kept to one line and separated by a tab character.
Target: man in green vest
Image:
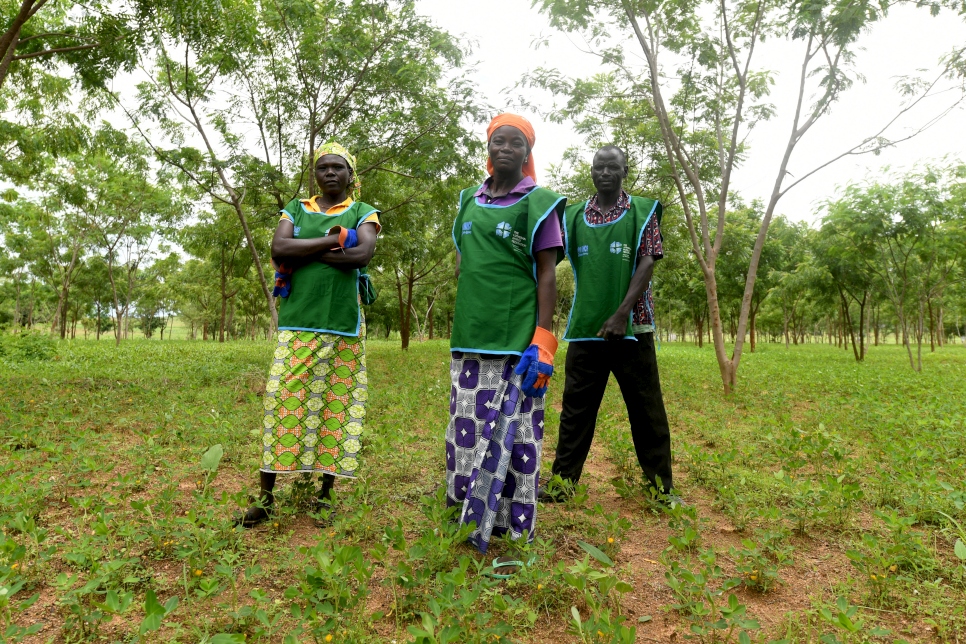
613	241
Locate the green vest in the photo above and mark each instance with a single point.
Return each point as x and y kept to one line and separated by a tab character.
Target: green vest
324	298
496	295
603	258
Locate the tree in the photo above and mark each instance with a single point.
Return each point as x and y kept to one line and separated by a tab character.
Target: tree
258	85
712	94
218	241
52	240
848	266
95	39
125	211
910	235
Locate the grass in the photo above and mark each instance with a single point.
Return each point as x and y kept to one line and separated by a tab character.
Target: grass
826	501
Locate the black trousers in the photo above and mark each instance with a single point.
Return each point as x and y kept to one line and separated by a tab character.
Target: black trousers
634	364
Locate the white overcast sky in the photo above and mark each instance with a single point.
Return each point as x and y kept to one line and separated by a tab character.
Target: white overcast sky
502	33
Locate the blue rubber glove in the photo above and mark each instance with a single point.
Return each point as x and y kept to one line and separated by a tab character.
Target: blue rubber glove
283	280
348	238
351	239
536	363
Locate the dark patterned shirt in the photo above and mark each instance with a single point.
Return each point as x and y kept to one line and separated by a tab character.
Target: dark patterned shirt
651	244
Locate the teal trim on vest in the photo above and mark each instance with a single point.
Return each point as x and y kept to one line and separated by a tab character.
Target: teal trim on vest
487	352
535	229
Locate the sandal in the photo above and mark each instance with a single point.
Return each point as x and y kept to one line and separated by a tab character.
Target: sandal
507	562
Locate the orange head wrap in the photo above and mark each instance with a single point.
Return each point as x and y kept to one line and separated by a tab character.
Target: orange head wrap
524	126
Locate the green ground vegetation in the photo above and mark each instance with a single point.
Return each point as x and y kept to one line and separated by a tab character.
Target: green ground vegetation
827	504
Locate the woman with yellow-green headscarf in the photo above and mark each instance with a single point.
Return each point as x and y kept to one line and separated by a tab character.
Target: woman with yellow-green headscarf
315	400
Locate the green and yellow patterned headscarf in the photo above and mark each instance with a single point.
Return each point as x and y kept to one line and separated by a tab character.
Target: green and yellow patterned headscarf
333	147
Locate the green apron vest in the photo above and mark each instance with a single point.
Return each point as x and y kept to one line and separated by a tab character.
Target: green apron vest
496	295
324	298
603	258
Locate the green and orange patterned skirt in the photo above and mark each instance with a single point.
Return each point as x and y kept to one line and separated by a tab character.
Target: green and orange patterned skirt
315	404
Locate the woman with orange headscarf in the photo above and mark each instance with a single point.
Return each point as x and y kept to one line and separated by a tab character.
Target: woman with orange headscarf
508	242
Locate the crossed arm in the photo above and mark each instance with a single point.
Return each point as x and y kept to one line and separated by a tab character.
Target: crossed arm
320	249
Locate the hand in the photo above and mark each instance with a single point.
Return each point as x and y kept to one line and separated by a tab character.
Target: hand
615	328
537	363
348	238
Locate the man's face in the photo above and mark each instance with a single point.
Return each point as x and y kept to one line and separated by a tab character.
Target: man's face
608	170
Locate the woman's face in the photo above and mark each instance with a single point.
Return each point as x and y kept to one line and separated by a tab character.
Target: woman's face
332	174
507	149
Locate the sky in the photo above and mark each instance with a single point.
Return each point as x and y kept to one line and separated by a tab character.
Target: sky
909	39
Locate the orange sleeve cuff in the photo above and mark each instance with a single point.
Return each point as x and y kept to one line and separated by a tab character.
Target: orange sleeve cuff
546	340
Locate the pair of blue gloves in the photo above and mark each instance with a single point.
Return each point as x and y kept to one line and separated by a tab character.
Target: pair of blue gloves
536	363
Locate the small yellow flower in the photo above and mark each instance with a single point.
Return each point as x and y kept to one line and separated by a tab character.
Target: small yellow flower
893	568
610	539
197	573
332	534
328	638
31	402
754	577
600	633
15	566
275	525
873	577
539	586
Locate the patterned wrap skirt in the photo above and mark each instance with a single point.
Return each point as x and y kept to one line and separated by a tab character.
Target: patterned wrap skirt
315	404
494	442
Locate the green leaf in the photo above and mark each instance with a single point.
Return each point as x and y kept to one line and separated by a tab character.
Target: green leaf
211	458
151	604
152	622
227	638
596	553
644	619
960	549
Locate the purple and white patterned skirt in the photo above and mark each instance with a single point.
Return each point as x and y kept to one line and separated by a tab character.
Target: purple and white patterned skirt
494	442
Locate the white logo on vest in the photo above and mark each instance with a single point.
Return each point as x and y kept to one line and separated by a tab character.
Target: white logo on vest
503	229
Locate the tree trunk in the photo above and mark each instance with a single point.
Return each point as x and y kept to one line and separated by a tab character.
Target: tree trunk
229	324
932	329
940	325
785	327
875	324
714	317
429	314
405	307
11	37
752	336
